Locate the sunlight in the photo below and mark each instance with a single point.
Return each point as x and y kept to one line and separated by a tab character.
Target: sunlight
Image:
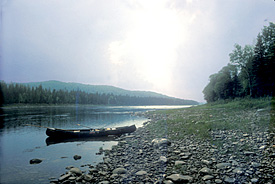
151	43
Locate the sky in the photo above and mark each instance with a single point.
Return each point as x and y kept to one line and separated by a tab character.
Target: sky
166	46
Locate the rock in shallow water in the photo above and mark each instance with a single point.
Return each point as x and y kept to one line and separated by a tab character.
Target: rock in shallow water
35	161
77	157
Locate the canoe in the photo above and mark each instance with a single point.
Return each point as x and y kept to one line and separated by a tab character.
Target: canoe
81	133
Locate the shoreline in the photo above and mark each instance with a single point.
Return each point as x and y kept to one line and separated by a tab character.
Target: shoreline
145	156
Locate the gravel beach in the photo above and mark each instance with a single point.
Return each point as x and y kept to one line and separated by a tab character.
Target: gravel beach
229	156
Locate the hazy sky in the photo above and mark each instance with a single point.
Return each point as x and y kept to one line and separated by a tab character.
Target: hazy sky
166	46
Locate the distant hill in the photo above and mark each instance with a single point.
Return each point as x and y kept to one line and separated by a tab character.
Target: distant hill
100	89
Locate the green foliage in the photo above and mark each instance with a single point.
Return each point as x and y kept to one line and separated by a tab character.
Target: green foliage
19	93
250	72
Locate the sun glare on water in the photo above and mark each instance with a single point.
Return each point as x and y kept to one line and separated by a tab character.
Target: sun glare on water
151	43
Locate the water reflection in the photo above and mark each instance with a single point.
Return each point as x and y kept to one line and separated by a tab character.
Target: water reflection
50	141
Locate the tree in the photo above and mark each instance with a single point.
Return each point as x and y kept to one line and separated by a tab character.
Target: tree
264	62
242	59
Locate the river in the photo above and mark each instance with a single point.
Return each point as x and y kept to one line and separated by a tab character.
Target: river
20	143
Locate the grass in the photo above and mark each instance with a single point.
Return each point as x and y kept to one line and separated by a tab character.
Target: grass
239	114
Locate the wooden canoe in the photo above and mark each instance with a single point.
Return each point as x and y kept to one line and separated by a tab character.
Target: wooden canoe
81	133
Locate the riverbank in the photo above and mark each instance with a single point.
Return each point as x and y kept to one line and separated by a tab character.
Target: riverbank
218	143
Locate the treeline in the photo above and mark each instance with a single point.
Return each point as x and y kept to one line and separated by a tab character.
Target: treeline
250	72
15	93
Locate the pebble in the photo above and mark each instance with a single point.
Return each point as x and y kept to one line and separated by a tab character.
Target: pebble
104	182
205	171
218	181
64	177
179	162
207	177
254	180
141	173
229	180
222	165
180	178
160	142
120	171
162	159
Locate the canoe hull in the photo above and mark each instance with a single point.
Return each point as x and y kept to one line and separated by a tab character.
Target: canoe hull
82	133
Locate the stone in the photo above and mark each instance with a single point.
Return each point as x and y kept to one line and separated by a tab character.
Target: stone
179	162
207	177
72	178
76	171
88	177
180	178
207	162
162	159
254	180
167	182
160	142
247	153
93	170
77	157
205	171
229	180
185	157
104	182
263	147
69	167
119	170
141	173
222	165
272	155
255	164
218	181
35	161
64	177
238	170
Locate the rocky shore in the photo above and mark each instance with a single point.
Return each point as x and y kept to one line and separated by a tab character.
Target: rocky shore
230	156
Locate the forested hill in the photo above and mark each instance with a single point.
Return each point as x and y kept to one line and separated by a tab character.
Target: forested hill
101	89
54	92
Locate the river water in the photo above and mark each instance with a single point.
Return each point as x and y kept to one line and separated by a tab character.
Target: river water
20	143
